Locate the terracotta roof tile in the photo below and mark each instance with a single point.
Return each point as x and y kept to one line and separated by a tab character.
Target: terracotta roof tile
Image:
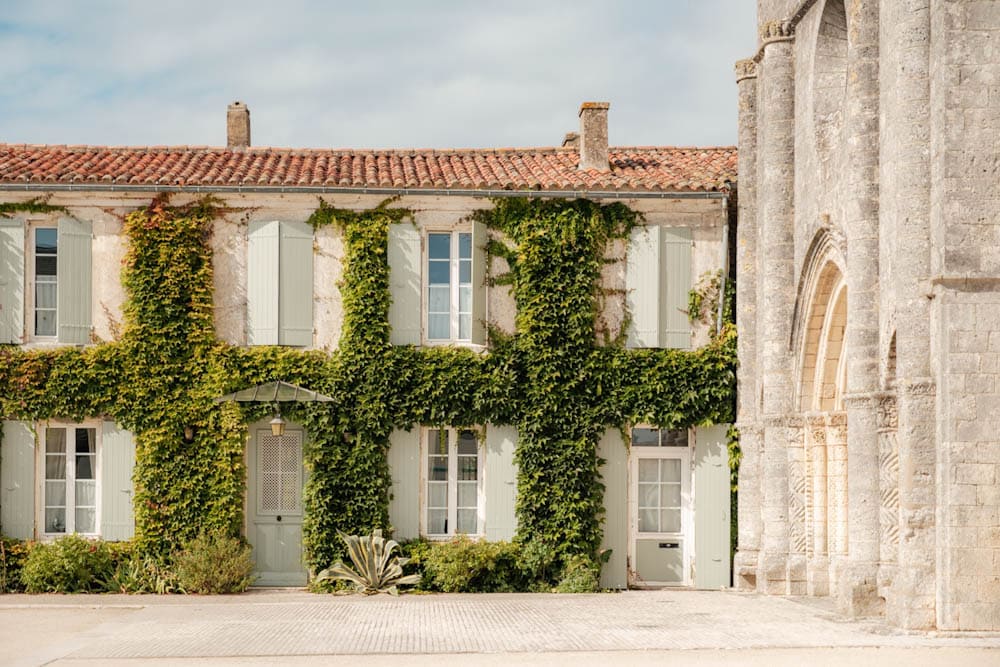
641	168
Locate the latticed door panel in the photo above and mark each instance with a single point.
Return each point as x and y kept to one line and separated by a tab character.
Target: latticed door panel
279	474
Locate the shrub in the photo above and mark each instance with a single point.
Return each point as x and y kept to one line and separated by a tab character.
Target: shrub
214	562
464	566
580	575
376	569
142	574
71	564
13	553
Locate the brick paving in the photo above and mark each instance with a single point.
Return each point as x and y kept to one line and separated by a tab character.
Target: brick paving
283	623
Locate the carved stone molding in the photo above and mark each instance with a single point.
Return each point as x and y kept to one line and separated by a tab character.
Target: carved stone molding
745	69
782	421
887	418
777	31
749	429
918	387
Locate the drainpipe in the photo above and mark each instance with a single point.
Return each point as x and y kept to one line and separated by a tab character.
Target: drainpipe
725	263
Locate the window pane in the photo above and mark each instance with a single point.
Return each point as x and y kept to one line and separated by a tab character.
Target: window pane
437	494
649	495
55	520
670	521
465	299
45	323
439	246
45	265
439	273
55	440
468	444
670	470
648	470
465	245
437	468
438	327
467	494
86	520
647	521
45	295
46	240
86	494
645	437
438	299
55	494
437	522
674	438
467	468
465	327
467	521
465	272
437	442
671	495
55	466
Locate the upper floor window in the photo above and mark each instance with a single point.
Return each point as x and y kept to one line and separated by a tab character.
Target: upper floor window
449	286
70	484
46	246
453	478
658	280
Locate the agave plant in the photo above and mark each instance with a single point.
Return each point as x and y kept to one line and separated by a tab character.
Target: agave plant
376	569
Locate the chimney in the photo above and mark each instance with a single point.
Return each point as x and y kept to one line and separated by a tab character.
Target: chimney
571	140
238	125
594	136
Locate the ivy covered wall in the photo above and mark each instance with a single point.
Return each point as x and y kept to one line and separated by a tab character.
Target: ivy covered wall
551	379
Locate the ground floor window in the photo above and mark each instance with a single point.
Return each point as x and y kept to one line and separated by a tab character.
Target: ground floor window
69	488
453	490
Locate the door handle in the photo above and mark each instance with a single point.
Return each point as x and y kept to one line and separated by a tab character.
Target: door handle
279	518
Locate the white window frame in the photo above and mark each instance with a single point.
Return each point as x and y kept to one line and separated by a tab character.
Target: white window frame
452	483
70	506
454	284
31	282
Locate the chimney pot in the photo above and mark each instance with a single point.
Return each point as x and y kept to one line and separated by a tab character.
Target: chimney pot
238	125
594	136
571	140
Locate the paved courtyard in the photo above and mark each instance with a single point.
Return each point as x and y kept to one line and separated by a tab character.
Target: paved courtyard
293	627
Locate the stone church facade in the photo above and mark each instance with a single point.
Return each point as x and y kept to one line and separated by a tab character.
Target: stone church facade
869	308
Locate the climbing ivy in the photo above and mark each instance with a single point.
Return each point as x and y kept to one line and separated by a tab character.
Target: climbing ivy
551	378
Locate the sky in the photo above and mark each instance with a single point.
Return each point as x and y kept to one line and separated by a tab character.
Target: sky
370	73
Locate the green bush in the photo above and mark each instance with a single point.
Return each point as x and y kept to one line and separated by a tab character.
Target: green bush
464	566
214	562
13	553
581	575
71	564
142	574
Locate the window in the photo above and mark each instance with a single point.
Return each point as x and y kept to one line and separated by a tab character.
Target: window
449	286
658	281
46	245
280	283
453	478
659	437
69	491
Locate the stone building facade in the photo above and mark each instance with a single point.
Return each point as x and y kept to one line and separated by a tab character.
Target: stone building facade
869	308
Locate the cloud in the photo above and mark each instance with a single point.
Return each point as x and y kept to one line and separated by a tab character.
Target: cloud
378	73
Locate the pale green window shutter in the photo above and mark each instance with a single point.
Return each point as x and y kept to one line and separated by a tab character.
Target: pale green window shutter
614	476
17	481
11	281
675	255
711	507
117	462
404	284
642	280
295	295
479	289
404	467
262	282
74	279
500	483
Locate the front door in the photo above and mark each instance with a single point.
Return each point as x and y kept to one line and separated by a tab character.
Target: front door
274	507
660	499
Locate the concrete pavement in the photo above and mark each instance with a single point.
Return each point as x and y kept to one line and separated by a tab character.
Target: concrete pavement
294	627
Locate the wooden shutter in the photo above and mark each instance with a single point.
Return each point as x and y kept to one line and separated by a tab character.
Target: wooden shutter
73	271
262	282
614	475
500	483
117	462
675	256
642	280
11	280
295	291
404	284
17	481
711	507
404	466
479	289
